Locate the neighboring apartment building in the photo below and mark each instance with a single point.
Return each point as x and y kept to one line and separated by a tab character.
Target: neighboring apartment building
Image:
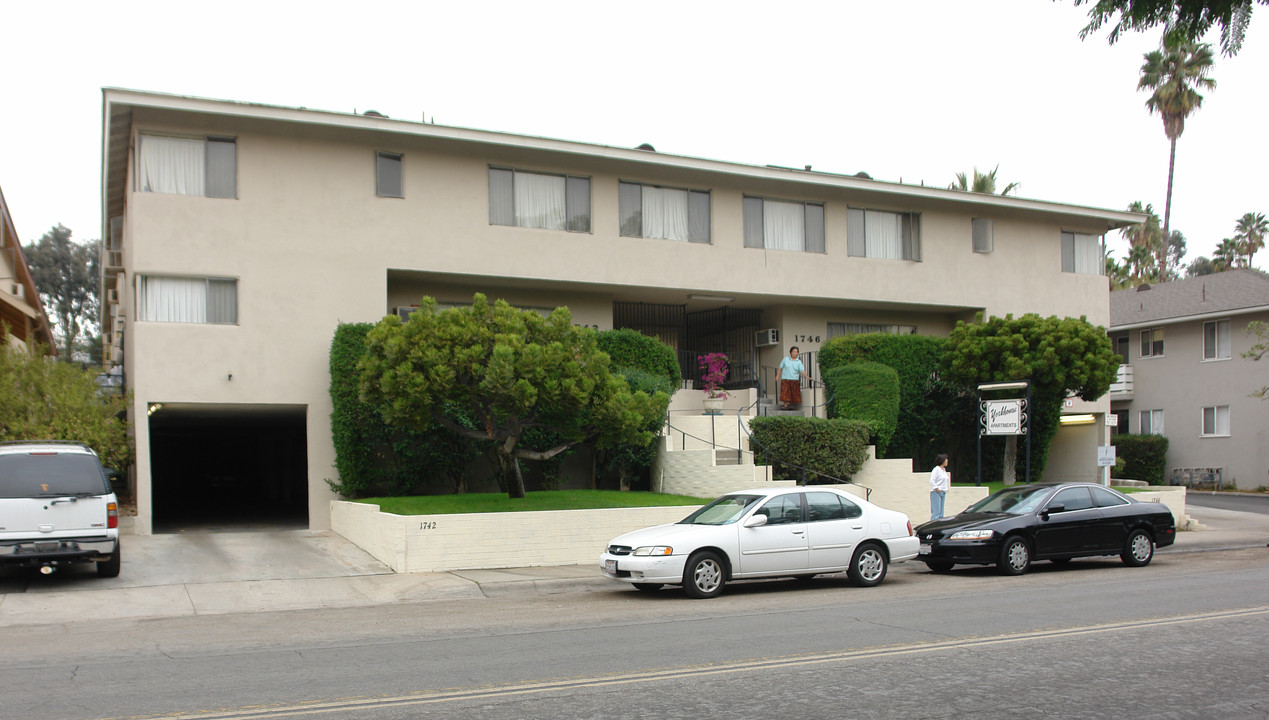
240	235
21	311
1184	375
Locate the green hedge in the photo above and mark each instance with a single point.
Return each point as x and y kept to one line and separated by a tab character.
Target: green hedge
866	391
827	449
1145	457
632	349
375	459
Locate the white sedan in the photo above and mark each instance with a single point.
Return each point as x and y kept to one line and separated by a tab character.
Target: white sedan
779	532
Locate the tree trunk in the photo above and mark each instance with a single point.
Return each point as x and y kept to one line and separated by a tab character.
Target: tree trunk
1011	459
510	467
1167	214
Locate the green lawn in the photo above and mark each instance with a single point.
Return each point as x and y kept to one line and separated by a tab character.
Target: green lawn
545	500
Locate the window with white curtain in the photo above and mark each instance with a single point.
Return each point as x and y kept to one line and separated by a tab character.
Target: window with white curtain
1216	421
984	235
651	211
1082	254
1216	340
537	200
388	175
882	234
206	166
784	225
169	298
1151	422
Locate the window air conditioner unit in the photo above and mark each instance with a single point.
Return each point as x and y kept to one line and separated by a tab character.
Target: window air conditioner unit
766	338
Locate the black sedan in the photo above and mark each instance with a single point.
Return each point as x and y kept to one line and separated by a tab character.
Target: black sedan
1053	522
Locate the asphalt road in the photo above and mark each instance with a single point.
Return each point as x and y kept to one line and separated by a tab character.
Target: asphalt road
1224	501
1181	638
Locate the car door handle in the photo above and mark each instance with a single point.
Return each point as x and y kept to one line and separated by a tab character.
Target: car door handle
798	532
856	527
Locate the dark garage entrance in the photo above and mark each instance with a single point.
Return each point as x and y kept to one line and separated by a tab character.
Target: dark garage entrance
228	467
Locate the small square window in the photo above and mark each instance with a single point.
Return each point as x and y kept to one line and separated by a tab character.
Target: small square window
1216	340
1152	342
388	182
984	240
1151	422
1216	421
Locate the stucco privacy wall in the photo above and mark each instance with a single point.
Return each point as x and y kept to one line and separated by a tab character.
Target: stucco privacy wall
433	543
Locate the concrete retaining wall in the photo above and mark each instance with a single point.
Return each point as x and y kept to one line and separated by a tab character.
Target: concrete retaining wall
434	543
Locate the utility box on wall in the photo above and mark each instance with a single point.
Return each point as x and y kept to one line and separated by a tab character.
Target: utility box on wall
766	338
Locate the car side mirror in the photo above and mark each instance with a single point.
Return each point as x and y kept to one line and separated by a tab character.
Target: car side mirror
755	521
1052	509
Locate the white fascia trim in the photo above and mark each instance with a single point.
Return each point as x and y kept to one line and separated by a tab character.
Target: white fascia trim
1114	218
1190	318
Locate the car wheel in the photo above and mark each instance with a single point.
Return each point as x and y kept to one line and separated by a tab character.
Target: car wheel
1015	556
1138	549
939	566
110	567
647	587
703	577
868	567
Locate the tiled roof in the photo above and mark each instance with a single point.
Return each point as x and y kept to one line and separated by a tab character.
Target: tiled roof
1229	291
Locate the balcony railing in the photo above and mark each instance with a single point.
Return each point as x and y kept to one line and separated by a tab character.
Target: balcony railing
1121	388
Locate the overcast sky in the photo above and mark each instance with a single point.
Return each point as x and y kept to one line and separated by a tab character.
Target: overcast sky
911	90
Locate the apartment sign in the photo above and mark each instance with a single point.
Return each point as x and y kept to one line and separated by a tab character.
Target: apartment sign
1003	417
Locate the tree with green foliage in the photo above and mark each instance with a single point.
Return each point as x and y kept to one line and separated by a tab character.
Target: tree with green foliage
632	459
628	348
868	392
1259	330
42	400
982	183
66	276
1188	19
1060	356
510	371
1201	265
1174	74
1227	256
1249	233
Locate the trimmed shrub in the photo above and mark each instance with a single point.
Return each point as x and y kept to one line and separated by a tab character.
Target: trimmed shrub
1144	457
632	349
869	392
826	450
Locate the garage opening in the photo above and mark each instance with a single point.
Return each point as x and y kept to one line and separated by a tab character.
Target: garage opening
228	467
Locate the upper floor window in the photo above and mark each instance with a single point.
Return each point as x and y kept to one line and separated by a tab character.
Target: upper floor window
784	225
1151	422
984	235
165	298
1216	340
1152	342
1082	254
537	200
881	234
649	211
1216	420
1121	348
388	182
188	166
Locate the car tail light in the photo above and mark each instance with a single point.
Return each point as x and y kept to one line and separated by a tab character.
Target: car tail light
910	533
112	516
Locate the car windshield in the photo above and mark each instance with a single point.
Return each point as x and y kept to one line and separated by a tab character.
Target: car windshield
1015	501
44	475
726	509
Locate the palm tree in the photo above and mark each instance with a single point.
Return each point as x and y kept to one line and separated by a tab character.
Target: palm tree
1227	254
1146	233
1117	273
1174	74
1141	263
1250	233
983	183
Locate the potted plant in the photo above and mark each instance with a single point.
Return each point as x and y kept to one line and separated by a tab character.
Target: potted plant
713	374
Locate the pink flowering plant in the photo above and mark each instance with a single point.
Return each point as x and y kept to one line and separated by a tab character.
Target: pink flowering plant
713	374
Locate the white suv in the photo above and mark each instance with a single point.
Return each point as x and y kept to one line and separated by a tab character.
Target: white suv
56	508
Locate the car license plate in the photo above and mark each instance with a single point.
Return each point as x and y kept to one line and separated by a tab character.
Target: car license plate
610	566
924	549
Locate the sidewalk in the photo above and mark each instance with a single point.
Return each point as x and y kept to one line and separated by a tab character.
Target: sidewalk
219	573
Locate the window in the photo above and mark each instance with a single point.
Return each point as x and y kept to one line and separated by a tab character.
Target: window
1082	254
1152	342
984	240
1121	422
655	212
880	234
830	506
784	225
535	200
1151	422
187	299
782	509
1076	498
188	166
1121	348
1106	498
835	329
388	175
1216	340
1216	421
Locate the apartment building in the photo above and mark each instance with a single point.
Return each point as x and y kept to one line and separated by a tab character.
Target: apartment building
1184	375
240	235
21	312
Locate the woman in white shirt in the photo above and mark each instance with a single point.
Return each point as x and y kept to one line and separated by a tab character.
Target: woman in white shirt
940	483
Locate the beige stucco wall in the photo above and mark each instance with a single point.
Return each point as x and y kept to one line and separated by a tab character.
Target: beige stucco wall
312	246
